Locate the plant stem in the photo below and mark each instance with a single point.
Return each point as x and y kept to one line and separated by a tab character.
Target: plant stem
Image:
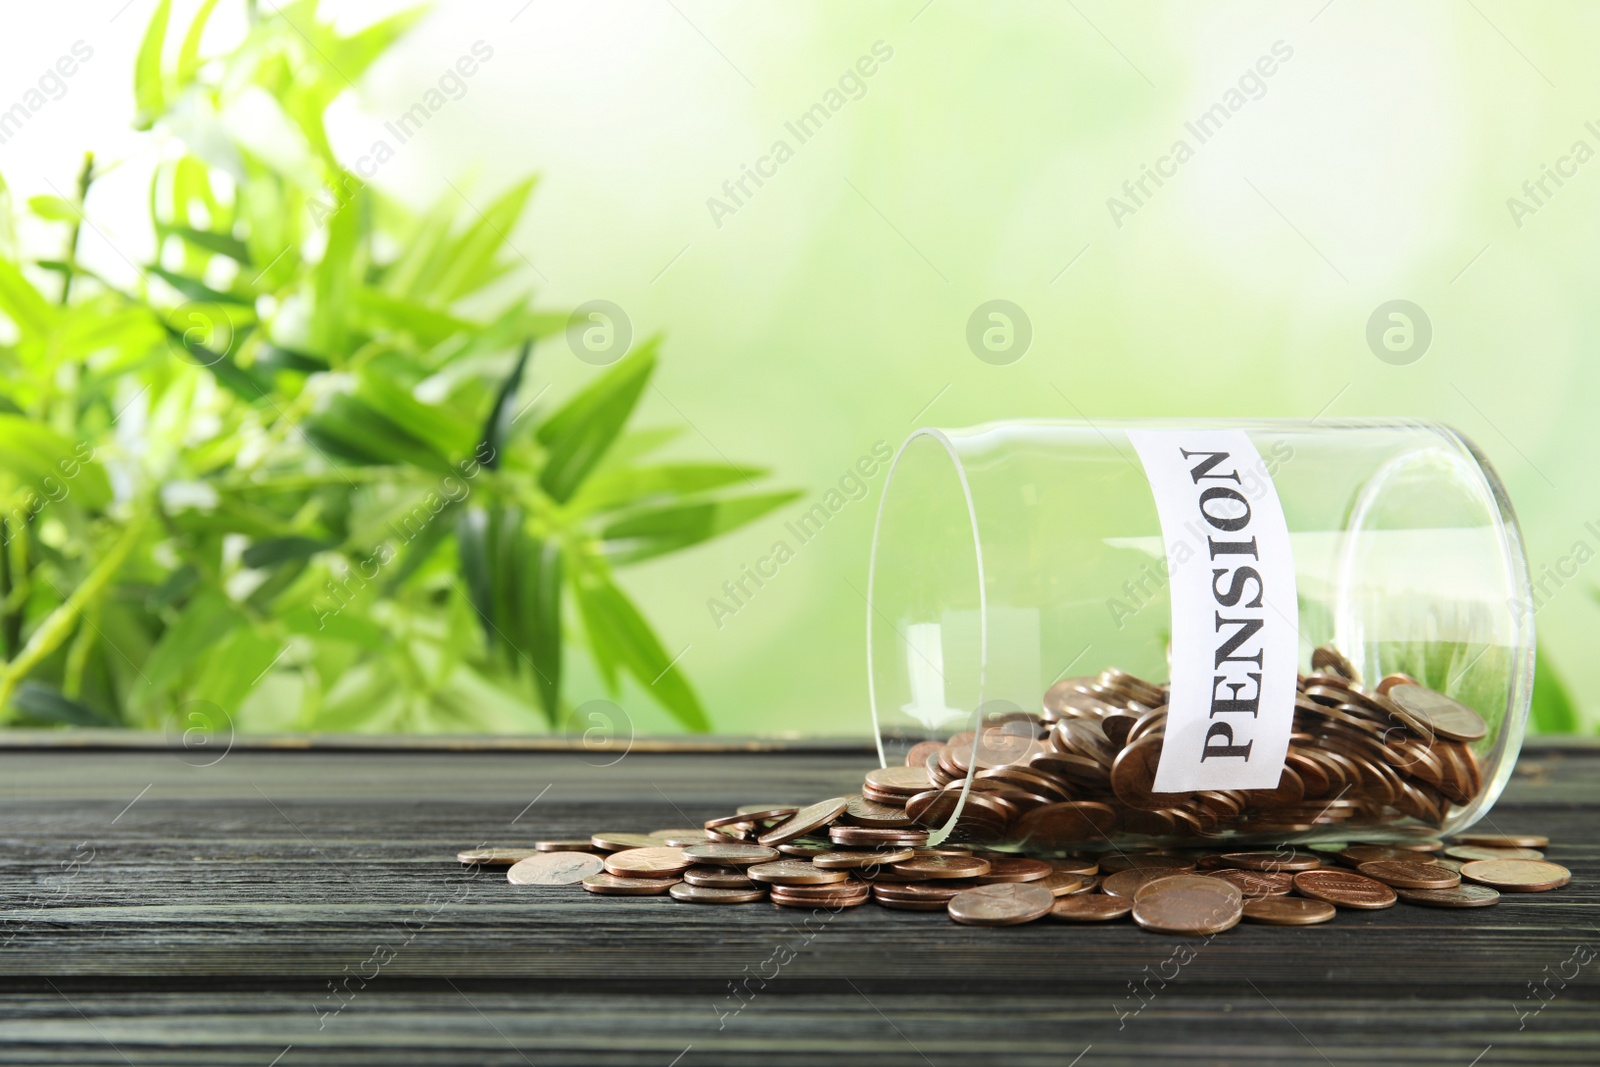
58	625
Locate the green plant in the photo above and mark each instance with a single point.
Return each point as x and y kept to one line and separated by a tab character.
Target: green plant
294	453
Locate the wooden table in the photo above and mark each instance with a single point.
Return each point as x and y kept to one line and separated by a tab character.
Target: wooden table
304	907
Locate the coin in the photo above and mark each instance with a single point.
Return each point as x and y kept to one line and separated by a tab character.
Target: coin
1133	775
864	812
806	847
760	812
1064	884
565	844
1284	860
1486	852
612	886
1438	713
718	877
806	820
936	891
495	857
1503	840
1194	882
940	866
900	781
731	854
1090	908
647	862
1517	876
1001	904
1187	910
1127	883
1328	658
794	872
1256	884
857	860
786	897
874	835
906	903
1356	855
1016	869
608	842
1150	861
699	894
1458	896
1414	875
1345	889
1288	911
554	868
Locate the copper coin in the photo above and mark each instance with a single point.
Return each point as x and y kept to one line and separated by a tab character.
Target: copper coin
1438	713
794	872
554	868
699	894
1189	911
1288	911
1127	883
1196	882
1486	852
806	847
1062	884
608	842
1285	860
611	886
1503	840
1148	861
856	860
1517	876
761	815
564	844
1460	896
718	878
1064	825
876	835
1016	869
864	812
1002	904
1414	875
1076	866
1133	775
1090	908
1345	889
759	812
918	754
900	781
937	891
1356	855
941	866
647	862
731	854
1328	658
908	903
786	899
1256	884
806	820
495	857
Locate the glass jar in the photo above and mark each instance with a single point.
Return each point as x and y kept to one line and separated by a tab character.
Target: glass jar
1343	607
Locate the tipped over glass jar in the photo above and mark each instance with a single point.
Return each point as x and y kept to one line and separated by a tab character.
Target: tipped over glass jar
1159	633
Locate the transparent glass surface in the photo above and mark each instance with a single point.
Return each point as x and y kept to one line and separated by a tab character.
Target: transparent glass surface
1012	556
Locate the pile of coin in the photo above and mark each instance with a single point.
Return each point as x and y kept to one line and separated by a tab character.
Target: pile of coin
780	854
1081	771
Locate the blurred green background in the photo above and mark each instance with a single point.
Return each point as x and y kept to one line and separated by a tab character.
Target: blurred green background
1354	154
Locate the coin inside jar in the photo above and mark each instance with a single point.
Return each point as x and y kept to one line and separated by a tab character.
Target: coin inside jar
660	860
1517	876
554	868
1001	904
1438	713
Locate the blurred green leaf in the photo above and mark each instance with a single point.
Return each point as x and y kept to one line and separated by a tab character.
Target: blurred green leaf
195	289
276	550
657	531
618	632
149	92
1554	711
608	489
53	208
207	619
469	263
23	304
349	427
46	703
189	54
51	464
221	244
577	436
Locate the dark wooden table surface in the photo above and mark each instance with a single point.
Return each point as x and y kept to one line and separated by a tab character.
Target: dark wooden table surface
303	907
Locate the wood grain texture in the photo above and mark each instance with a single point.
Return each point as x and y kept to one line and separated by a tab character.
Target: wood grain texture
158	912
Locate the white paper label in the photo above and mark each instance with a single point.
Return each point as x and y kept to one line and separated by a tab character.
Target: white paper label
1235	615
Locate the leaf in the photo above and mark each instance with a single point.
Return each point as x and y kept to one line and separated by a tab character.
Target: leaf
658	531
42	701
577	436
275	550
498	426
221	244
149	95
385	386
53	208
207	619
377	312
421	547
244	384
50	463
189	55
332	281
539	606
346	626
23	304
195	289
630	486
618	633
349	427
1554	711
272	359
514	584
469	261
